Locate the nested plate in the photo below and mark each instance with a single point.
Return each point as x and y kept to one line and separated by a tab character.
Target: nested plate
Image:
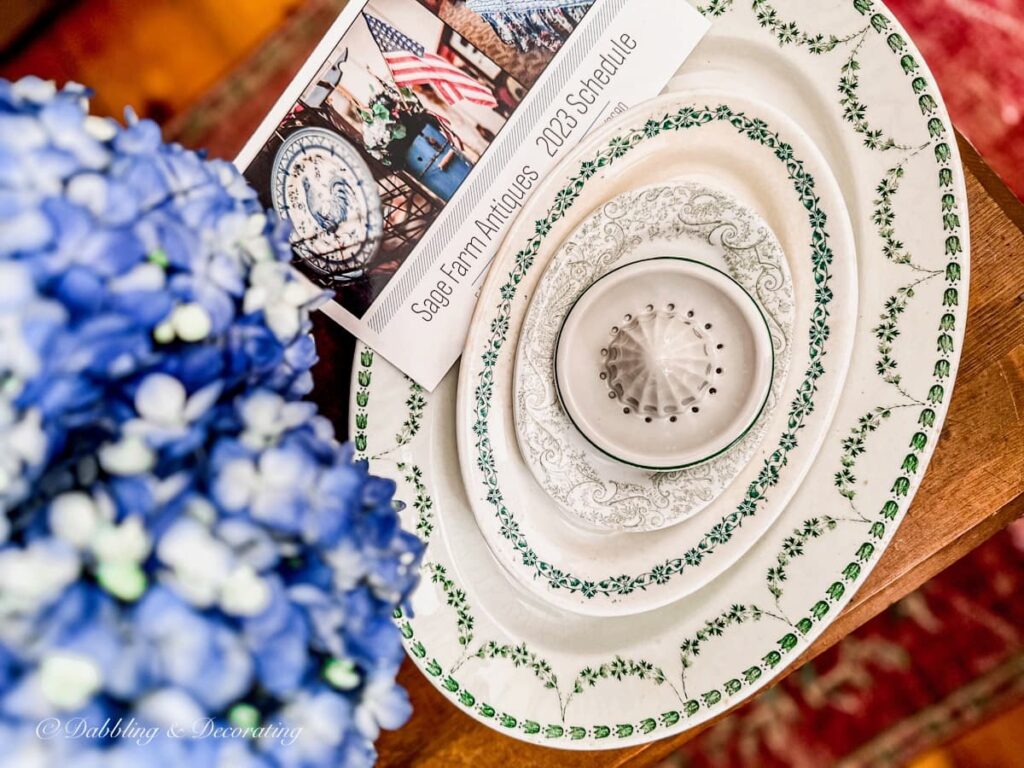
847	73
683	219
761	158
664	363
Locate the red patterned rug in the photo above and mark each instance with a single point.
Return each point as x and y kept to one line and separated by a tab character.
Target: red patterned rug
936	663
974	48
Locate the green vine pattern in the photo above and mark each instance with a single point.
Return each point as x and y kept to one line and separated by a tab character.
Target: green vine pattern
789	33
734	616
423	503
887	331
884	217
786	647
521	656
854	446
415	405
456	598
714	8
617	669
800	407
854	110
792	548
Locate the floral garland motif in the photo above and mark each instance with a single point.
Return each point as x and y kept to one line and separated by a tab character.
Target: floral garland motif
456	597
733	616
415	405
854	447
792	548
799	409
423	504
520	655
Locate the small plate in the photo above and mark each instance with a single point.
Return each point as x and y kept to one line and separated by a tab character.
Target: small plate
650	222
664	363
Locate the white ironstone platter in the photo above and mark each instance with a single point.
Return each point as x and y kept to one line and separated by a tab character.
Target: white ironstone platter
848	75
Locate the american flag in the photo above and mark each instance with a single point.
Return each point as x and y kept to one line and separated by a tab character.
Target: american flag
411	64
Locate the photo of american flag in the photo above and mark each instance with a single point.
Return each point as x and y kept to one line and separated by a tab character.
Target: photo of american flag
411	64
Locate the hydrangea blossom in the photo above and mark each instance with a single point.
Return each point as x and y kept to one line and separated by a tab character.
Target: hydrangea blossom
183	539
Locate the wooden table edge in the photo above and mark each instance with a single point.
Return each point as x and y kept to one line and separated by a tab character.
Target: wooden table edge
997	189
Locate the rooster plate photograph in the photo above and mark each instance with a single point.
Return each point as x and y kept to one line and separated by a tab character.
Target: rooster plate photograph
378	143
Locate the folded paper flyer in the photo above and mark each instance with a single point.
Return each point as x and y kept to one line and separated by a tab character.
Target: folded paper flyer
404	148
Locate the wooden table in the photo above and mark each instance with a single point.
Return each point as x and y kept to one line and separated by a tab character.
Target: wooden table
974	487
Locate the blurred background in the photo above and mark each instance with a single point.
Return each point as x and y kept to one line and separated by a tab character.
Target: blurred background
208	70
938	680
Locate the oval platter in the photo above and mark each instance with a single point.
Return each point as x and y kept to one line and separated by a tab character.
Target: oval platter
846	72
758	155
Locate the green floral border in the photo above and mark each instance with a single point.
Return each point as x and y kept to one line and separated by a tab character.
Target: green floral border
800	408
880	525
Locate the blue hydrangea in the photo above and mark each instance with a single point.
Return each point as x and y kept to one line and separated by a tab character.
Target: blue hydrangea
183	539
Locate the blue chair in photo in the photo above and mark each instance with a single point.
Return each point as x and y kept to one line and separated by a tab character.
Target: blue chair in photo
435	162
